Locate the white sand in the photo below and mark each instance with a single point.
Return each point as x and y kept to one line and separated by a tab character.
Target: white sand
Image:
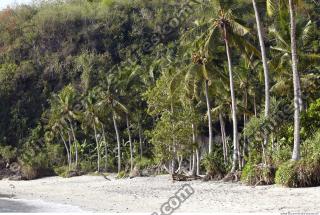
94	193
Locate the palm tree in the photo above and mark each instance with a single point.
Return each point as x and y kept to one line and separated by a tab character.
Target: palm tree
264	62
108	100
65	106
296	82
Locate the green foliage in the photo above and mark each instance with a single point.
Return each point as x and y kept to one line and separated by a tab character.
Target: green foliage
214	164
143	162
286	174
8	153
310	119
260	174
122	174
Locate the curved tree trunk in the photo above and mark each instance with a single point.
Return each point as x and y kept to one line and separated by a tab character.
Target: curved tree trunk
118	140
233	107
67	149
296	83
265	66
130	143
209	115
75	145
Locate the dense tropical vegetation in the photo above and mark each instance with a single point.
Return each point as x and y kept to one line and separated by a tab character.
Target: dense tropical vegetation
211	87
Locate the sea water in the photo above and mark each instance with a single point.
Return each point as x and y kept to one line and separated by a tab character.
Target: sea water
34	206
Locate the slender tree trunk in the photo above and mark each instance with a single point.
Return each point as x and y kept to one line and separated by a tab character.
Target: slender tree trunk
67	149
70	146
98	148
245	144
209	116
130	143
265	66
234	107
75	144
118	140
198	161
223	138
105	148
140	140
296	83
194	164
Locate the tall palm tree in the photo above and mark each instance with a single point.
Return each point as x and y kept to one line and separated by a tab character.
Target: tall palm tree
108	100
296	82
264	62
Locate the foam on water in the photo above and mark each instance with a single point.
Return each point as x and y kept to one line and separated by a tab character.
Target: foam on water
34	206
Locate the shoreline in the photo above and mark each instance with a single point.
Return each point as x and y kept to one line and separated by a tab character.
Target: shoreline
13	205
147	194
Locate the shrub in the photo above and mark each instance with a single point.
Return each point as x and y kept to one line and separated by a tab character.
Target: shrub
62	171
282	155
286	174
143	162
260	174
8	153
214	165
122	174
28	172
87	166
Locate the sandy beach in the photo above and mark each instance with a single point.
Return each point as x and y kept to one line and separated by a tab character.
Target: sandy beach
95	194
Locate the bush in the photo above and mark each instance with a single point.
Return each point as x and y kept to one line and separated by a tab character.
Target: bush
88	166
8	153
303	173
143	162
122	174
214	165
260	174
28	172
286	174
62	171
281	156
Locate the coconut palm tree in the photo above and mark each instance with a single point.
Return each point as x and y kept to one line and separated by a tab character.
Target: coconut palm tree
264	62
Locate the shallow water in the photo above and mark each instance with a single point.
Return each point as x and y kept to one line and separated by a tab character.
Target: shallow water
33	206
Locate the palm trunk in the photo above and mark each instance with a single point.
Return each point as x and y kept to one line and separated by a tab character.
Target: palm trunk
140	140
118	140
105	148
296	83
223	138
67	149
75	144
265	66
130	143
245	144
209	116
198	161
194	153
98	148
70	146
234	106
